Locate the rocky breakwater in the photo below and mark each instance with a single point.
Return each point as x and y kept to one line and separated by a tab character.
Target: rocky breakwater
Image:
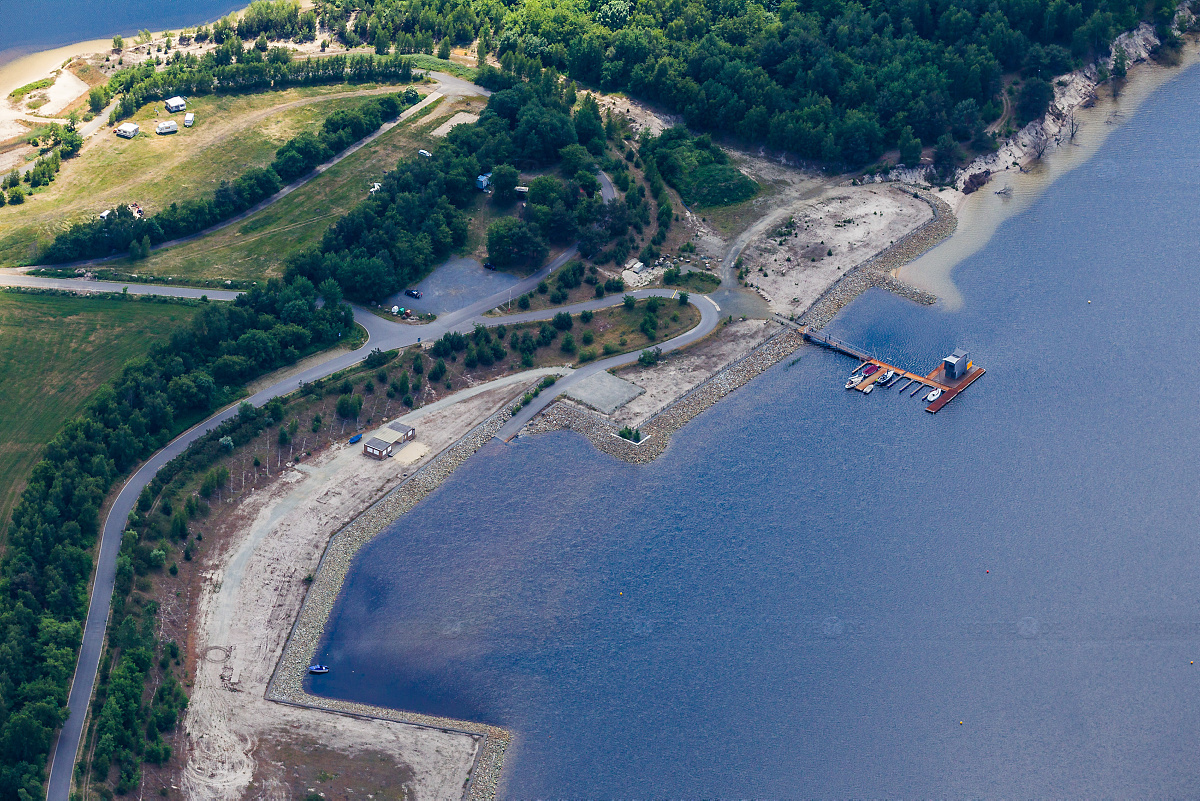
287	684
876	271
656	432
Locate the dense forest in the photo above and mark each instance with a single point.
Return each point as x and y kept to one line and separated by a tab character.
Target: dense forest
47	563
420	214
828	79
122	231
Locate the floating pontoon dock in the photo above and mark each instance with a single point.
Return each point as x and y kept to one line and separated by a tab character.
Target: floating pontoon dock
938	379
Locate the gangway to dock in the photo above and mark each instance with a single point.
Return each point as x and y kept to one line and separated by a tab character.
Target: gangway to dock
937	379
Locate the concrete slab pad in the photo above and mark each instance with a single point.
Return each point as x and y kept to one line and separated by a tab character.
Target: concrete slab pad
604	392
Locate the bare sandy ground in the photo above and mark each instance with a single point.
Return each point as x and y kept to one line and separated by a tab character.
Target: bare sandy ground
32	68
253	590
680	372
66	89
792	264
461	118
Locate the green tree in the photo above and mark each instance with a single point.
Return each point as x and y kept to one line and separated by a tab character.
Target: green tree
179	525
118	42
1120	66
576	158
504	182
1034	99
444	50
348	406
513	243
945	154
97	98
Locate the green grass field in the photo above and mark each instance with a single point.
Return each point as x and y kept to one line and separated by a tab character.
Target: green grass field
232	134
258	247
54	353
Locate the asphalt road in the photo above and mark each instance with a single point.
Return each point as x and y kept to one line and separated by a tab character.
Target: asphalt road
383	334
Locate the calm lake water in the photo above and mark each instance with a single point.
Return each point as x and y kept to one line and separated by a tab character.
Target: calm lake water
812	588
27	26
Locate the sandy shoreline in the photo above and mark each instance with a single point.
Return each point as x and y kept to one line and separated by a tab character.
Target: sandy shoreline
982	212
917	266
287	682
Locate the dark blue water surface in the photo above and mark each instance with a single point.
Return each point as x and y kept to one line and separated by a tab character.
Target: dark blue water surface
30	25
812	588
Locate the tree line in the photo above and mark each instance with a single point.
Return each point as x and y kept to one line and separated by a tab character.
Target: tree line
122	230
45	568
232	68
834	80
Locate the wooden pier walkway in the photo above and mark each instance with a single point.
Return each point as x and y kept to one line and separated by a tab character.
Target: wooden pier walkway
935	380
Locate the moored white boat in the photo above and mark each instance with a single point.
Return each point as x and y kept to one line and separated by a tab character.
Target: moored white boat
932	396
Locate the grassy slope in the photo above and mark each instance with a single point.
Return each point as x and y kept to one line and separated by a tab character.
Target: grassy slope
231	134
258	247
54	353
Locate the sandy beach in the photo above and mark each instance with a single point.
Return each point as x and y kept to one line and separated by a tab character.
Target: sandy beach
981	213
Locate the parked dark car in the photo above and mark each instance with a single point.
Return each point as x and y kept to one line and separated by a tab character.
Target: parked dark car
487	265
412	293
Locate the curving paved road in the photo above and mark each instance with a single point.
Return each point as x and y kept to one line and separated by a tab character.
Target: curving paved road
383	334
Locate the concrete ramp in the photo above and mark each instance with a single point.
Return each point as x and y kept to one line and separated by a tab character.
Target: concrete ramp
604	392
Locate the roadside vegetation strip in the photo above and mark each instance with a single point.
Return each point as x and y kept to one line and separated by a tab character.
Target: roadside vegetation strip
55	524
287	684
56	350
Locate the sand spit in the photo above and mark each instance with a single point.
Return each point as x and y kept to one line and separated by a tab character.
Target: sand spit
876	271
657	431
287	684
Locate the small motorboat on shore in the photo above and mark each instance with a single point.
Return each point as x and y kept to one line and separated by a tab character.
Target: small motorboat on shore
318	668
932	396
